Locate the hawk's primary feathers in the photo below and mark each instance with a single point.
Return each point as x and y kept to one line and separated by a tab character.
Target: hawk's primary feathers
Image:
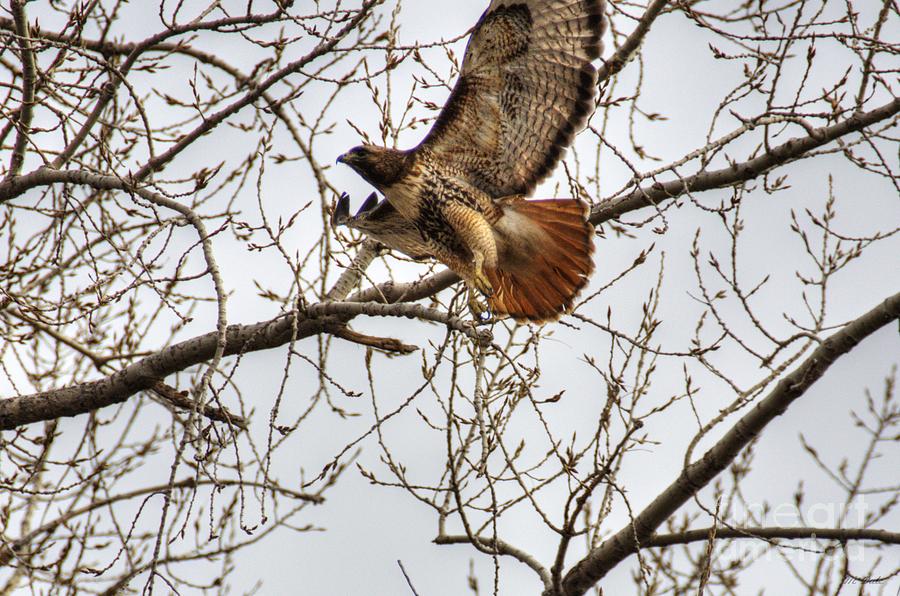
526	87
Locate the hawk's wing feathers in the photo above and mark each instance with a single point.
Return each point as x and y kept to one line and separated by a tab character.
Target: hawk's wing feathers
526	88
381	222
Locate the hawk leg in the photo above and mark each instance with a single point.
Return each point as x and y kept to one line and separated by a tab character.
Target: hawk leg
480	279
476	234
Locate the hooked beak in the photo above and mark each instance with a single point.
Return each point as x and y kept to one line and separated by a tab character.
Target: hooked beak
341	158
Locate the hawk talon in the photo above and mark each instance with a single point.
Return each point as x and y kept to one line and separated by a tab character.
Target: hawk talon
480	280
479	310
483	285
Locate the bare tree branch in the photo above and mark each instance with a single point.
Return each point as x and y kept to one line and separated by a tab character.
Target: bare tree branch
26	111
697	475
238	339
638	199
502	548
771	533
625	52
9	550
191	166
780	155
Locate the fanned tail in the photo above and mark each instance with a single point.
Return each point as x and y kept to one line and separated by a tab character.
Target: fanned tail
544	258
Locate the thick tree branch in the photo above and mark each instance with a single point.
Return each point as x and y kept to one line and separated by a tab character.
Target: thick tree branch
782	154
170	396
239	339
839	534
143	374
409	292
638	534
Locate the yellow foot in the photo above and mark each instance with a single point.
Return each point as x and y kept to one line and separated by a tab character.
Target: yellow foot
481	282
480	310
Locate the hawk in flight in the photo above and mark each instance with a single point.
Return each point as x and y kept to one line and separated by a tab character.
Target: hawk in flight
526	87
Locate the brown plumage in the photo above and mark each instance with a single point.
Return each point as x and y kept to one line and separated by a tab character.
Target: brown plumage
526	88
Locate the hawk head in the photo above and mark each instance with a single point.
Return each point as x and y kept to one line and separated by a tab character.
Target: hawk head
379	166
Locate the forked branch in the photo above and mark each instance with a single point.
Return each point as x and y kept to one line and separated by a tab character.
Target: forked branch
640	533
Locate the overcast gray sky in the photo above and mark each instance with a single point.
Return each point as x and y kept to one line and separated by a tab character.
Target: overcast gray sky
367	529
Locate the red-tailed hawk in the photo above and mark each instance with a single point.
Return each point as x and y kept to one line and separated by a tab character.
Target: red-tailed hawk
526	87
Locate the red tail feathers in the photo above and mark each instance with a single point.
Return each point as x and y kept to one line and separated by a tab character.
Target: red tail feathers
545	250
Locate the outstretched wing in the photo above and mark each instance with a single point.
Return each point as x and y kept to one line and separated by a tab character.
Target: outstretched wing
525	89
